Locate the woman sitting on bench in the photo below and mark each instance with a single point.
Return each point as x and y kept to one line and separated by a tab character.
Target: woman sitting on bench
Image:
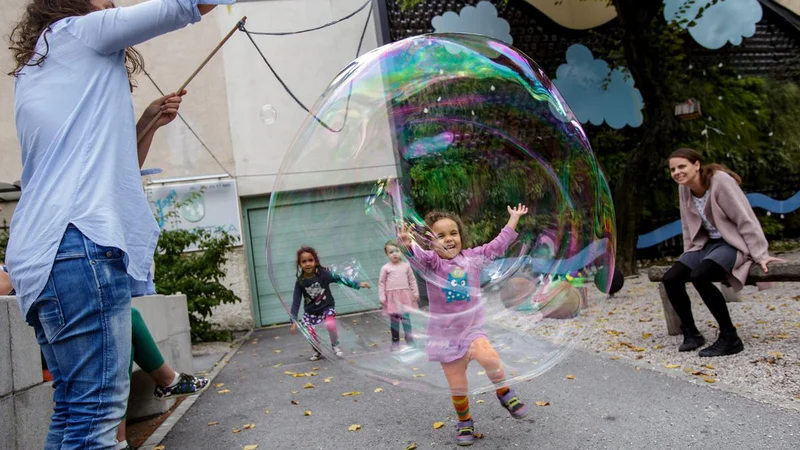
722	237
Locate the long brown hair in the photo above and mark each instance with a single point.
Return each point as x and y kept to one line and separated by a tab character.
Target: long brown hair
39	16
706	170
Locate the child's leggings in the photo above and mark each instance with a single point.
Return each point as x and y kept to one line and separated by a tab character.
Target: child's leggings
328	317
144	350
395	326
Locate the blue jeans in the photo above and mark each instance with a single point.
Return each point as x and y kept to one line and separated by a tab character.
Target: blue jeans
82	321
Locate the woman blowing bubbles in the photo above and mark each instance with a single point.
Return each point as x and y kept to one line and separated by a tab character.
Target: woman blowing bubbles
721	239
83	222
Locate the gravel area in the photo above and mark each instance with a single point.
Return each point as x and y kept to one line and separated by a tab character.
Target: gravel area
631	326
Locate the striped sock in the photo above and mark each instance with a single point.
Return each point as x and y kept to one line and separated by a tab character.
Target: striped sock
461	404
502	391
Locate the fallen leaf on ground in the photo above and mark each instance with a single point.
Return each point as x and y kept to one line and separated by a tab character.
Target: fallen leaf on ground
777	355
354	427
327	379
277	365
219	385
236	430
266	411
378	390
295	392
294	402
250	447
418	375
657	347
315	368
701	373
308	386
570	377
306	413
224	391
411	446
646	319
211	424
277	350
159	447
437	425
480	401
672	366
542	403
614	358
374	344
478	435
615	332
709	380
708	366
248	426
351	394
647	335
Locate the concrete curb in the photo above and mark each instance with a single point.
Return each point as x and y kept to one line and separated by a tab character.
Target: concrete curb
166	426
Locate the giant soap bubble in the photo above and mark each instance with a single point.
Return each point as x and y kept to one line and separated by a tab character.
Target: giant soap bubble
448	122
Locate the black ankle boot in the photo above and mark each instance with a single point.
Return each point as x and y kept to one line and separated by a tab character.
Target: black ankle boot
692	339
728	343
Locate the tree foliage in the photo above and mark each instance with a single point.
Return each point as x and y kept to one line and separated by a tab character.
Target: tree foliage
747	124
198	274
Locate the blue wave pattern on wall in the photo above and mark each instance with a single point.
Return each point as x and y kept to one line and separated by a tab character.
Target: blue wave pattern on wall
757	200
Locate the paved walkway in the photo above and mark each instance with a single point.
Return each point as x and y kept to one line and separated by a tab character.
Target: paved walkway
610	404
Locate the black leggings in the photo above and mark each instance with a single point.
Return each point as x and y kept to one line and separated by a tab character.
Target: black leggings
702	277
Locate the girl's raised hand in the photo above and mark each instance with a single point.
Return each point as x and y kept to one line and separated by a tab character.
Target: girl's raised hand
514	214
518	211
364	285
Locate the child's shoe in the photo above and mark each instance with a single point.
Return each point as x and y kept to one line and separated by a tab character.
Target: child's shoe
395	346
186	385
515	407
316	356
337	350
465	433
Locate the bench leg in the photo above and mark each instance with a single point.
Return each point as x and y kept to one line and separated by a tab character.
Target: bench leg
673	321
729	294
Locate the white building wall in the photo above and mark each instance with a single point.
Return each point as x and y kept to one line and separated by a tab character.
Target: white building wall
224	100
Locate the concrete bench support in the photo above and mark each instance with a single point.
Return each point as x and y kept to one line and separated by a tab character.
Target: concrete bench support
26	402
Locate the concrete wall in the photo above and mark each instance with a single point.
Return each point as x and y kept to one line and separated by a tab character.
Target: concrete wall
237	316
26	402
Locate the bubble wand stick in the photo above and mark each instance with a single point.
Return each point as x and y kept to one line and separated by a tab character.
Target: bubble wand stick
239	24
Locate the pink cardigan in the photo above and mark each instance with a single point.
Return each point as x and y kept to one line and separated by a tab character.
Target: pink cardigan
730	212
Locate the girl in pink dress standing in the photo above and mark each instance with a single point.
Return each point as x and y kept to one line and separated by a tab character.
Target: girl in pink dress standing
398	293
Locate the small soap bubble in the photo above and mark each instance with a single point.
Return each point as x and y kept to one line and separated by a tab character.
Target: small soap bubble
268	115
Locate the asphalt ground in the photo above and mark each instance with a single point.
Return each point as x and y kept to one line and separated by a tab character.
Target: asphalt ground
606	404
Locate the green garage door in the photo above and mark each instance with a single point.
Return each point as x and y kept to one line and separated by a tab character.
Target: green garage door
336	226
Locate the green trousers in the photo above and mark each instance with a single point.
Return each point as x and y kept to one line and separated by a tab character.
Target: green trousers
144	350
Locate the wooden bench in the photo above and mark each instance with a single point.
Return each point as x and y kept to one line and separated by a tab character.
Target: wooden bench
778	272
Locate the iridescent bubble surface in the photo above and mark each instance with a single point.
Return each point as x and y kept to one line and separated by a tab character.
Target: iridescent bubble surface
458	123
